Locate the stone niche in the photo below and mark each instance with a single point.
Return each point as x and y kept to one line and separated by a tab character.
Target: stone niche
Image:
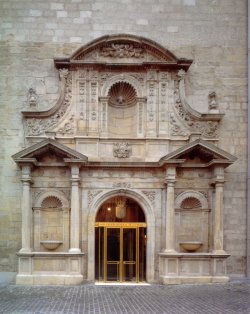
51	226
192	222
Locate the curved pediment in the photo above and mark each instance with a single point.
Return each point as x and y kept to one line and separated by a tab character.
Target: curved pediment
123	49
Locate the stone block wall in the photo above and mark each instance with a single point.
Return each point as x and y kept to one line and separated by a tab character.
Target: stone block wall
212	33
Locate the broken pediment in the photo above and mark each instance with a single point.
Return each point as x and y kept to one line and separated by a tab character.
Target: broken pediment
48	151
201	153
124	50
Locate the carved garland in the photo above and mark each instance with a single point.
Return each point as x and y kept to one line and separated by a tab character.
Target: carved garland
38	126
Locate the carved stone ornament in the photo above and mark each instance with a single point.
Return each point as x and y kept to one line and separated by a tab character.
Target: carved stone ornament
176	129
150	195
192	119
36	126
68	127
121	185
92	195
212	103
126	50
32	98
122	150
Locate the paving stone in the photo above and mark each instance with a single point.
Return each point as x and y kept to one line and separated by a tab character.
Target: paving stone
214	298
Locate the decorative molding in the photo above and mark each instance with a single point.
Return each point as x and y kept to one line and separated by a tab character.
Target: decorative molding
121	150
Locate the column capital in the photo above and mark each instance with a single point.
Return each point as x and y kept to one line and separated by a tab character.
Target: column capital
75	181
169	182
219	172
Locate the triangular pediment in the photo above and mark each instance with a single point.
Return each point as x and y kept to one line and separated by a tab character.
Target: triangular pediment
199	152
49	150
123	49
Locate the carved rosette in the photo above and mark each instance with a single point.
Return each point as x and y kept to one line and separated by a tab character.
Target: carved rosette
36	126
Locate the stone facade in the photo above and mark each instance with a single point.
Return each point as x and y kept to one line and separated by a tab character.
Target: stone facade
163	142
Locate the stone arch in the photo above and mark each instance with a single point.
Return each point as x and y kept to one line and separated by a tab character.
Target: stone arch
150	220
191	194
121	78
49	194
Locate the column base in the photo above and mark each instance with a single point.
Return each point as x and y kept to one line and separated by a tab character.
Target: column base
170	251
25	250
219	252
74	250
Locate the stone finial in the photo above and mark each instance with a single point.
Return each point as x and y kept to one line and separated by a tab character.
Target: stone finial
32	98
212	103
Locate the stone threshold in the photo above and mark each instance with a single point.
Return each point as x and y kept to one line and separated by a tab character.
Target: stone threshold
122	284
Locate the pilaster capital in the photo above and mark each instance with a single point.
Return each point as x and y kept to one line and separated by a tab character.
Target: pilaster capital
169	182
26	181
219	173
219	182
75	181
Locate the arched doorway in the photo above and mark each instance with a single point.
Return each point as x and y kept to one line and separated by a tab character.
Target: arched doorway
120	241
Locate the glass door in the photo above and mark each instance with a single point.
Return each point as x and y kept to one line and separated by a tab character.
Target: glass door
120	252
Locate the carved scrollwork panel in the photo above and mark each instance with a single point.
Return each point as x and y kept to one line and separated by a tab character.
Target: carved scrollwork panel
91	195
151	196
36	126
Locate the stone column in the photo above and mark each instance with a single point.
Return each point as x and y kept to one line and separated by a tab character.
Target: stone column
75	210
170	211
26	210
218	211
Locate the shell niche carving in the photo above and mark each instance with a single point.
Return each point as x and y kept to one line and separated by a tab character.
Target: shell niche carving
122	94
190	203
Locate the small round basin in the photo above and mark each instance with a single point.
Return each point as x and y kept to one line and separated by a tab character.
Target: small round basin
191	246
51	244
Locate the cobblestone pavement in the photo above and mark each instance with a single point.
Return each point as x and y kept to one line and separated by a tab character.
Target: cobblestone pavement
215	298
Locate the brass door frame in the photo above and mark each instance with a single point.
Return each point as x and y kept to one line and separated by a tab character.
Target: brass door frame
121	263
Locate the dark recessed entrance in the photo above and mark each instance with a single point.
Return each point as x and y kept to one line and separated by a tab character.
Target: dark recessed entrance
120	242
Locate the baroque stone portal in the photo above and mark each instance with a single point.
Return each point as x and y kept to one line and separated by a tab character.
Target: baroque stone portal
122	129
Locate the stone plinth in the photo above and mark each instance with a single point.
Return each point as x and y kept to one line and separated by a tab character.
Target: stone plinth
181	268
42	268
